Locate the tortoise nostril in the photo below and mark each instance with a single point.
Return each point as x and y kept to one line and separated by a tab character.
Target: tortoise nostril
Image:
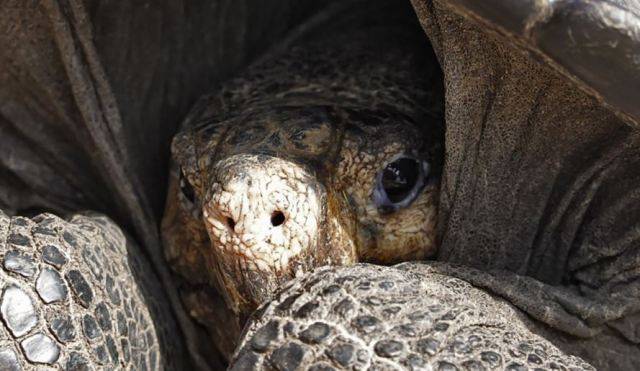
231	223
277	218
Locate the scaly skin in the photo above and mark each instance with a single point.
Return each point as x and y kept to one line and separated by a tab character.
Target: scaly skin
303	137
77	294
411	316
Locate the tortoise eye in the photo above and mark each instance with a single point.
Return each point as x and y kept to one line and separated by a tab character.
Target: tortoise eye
186	188
399	183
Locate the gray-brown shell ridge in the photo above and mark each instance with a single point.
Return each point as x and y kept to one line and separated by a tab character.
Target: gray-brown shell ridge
594	43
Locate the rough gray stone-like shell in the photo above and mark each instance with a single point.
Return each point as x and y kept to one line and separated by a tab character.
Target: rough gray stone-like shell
594	42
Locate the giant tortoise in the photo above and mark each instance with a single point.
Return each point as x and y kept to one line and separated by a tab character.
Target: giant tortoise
524	208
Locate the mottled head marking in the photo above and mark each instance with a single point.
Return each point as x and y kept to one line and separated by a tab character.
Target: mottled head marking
291	168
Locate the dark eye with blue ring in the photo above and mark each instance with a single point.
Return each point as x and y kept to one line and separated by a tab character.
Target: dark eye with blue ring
399	183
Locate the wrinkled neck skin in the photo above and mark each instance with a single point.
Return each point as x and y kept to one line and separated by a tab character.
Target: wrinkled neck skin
539	193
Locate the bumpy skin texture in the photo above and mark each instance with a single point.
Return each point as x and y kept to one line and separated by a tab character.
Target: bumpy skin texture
76	295
304	134
540	191
408	317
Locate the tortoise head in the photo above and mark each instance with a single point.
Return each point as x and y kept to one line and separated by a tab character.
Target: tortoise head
263	196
